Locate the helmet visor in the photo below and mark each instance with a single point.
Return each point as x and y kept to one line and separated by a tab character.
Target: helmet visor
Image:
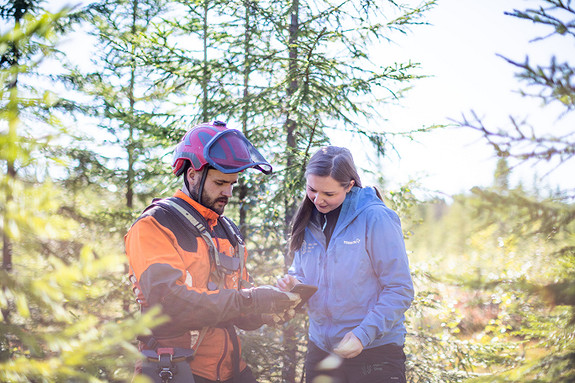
230	151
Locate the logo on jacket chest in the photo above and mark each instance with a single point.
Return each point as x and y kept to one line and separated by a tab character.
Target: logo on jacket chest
354	242
308	247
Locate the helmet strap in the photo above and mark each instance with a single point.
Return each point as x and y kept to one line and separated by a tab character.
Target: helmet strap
202	183
185	173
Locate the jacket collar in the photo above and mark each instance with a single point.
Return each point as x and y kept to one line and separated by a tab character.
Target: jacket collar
210	215
356	201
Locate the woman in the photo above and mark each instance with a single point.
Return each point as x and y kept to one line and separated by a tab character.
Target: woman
350	245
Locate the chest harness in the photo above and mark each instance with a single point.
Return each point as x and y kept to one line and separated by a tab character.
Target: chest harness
221	265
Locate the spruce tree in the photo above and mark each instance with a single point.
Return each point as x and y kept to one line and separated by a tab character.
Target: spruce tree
126	100
11	57
549	217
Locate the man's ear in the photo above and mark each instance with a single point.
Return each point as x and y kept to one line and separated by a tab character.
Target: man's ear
191	174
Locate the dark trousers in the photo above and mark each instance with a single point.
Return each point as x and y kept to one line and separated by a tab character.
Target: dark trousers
246	376
381	364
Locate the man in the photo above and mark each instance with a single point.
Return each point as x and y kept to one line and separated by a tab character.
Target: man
189	259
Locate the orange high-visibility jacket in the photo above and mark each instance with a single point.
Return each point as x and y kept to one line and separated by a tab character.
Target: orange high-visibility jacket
172	267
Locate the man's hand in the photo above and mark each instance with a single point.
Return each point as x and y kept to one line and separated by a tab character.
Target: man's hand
349	347
268	300
275	320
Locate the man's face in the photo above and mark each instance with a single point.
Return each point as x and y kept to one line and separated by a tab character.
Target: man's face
217	188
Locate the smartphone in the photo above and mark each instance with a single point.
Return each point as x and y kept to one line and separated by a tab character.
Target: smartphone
305	292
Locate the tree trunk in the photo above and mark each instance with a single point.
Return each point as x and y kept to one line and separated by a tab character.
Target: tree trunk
243	190
18	10
205	77
131	128
12	57
289	332
7	242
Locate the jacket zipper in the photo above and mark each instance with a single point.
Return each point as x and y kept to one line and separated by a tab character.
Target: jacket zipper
324	282
327	312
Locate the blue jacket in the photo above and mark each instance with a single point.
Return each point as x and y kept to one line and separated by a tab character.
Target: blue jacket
363	278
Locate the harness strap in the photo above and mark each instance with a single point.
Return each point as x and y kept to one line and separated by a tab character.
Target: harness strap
240	247
186	217
166	369
195	223
220	269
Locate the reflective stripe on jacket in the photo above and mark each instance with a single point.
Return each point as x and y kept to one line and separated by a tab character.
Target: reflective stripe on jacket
172	266
363	277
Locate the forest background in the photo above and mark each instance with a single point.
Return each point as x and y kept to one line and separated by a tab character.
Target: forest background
84	148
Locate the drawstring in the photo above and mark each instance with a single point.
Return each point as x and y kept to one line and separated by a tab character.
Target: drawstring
324	222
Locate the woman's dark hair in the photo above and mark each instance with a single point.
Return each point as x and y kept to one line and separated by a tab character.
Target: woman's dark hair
329	161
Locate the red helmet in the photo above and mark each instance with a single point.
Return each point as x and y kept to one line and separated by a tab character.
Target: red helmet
227	150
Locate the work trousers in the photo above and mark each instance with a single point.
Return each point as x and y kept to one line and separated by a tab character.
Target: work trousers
381	364
246	376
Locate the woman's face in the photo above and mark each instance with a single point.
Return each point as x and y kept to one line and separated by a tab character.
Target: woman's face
326	193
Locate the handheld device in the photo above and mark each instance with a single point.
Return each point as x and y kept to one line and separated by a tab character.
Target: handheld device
305	292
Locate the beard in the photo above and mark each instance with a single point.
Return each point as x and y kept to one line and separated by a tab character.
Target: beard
207	201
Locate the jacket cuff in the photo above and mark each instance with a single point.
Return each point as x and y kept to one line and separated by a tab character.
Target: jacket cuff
362	336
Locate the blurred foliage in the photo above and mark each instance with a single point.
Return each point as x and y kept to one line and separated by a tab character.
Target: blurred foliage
479	311
60	319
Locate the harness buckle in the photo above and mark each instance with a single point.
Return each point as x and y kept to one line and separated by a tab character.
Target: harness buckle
166	369
166	374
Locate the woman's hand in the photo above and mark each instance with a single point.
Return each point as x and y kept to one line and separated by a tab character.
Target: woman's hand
349	347
287	282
